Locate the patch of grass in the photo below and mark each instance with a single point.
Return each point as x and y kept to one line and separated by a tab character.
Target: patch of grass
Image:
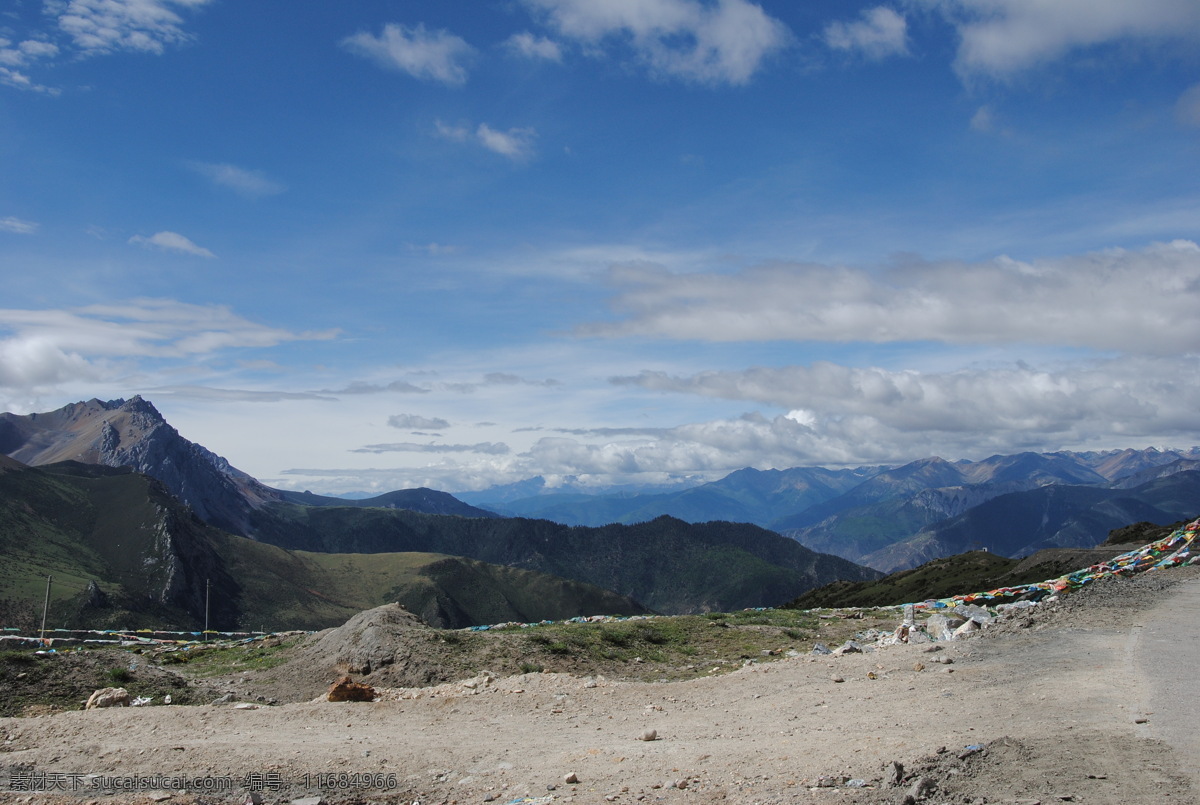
226	658
18	657
119	676
531	668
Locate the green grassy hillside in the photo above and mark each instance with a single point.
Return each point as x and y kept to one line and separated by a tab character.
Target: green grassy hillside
122	553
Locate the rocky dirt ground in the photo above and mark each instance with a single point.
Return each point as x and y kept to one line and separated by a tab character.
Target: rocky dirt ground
1067	703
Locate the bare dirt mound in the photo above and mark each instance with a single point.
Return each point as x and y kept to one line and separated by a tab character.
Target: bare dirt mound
388	646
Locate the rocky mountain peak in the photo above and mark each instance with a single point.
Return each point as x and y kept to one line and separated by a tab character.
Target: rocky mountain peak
132	433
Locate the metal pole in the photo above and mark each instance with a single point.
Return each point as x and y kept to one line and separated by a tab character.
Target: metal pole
45	607
207	591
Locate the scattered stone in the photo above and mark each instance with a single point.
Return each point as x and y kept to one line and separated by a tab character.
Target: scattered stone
967	629
108	697
942	627
918	666
974	613
820	648
895	774
347	690
681	784
650	735
571	779
160	796
245	706
849	647
918	790
253	798
226	699
309	801
973	749
837	678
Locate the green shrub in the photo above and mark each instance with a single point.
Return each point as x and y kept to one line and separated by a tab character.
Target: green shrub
119	676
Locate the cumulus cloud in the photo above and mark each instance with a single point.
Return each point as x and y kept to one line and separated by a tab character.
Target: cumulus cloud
722	42
1134	301
17	226
432	55
415	422
248	183
1002	37
106	26
534	47
517	143
485	448
881	32
171	242
844	415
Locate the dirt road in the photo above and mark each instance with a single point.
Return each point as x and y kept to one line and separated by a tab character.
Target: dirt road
1055	706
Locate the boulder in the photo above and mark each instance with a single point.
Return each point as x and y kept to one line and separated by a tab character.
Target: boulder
108	697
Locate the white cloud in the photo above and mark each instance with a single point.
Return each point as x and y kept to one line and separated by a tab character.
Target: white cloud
1002	37
17	226
534	47
1129	301
19	80
171	242
44	349
845	415
416	422
517	143
435	55
248	183
105	26
722	42
26	52
880	33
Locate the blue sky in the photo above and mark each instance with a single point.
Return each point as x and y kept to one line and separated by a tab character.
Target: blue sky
376	245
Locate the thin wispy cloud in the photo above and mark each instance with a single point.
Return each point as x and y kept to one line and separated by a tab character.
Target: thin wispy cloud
484	448
881	32
40	349
363	387
211	394
712	43
171	242
534	47
17	226
244	182
429	55
516	144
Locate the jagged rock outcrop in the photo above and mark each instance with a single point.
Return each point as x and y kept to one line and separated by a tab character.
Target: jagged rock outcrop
132	433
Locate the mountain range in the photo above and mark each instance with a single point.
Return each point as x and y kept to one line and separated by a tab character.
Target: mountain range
667	564
753	538
892	518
